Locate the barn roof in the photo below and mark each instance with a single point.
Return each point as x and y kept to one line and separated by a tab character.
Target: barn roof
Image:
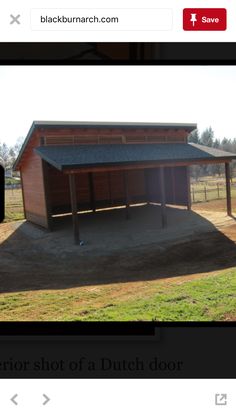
109	124
189	127
82	156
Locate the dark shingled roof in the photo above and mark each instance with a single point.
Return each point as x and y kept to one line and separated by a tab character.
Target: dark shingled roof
189	127
81	156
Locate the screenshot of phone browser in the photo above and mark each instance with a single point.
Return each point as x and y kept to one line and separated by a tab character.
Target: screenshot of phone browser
117	209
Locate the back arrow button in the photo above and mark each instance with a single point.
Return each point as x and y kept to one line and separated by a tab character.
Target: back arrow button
13	399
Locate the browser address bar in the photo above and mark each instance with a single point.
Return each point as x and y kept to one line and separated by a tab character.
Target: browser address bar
101	19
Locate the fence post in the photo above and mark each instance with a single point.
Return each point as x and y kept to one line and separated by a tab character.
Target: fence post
205	190
218	190
193	195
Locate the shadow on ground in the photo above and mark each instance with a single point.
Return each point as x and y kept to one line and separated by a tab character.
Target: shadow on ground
116	250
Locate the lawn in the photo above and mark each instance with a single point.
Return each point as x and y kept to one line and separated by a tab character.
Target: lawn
198	297
211	188
13	205
208	298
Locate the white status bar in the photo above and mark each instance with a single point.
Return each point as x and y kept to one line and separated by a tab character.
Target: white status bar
123	21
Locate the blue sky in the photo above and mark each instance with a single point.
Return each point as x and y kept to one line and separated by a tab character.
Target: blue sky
202	94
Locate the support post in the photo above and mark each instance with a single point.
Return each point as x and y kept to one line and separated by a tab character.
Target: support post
228	191
126	195
163	198
74	208
147	188
91	188
109	189
189	203
173	184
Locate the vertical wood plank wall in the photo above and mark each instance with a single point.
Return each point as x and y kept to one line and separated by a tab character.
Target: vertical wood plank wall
109	188
33	186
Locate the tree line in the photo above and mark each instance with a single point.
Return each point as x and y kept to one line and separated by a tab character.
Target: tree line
8	154
208	139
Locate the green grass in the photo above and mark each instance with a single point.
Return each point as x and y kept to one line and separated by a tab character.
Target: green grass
211	193
13	205
12	181
211	184
205	299
208	298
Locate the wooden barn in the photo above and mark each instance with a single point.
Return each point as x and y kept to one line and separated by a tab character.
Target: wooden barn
67	167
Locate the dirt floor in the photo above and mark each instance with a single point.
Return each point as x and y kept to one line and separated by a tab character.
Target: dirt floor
117	250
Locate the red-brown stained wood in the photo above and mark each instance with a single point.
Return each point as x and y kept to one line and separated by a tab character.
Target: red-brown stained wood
146	165
109	188
73	136
189	200
46	190
33	186
74	208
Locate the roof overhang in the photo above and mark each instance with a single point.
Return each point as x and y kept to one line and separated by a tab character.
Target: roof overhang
66	158
41	125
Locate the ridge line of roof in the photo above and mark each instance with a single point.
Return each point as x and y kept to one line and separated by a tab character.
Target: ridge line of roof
114	123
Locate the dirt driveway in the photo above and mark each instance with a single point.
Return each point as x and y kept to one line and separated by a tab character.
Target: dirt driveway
116	250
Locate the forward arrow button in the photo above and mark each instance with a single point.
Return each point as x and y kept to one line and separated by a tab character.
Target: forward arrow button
46	399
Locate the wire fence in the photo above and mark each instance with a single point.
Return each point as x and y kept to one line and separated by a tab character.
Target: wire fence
13	186
206	193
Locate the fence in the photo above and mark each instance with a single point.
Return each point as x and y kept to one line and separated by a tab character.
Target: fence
199	193
205	193
13	186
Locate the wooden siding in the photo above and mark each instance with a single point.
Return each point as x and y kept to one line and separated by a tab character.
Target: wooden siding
33	186
109	188
176	191
113	136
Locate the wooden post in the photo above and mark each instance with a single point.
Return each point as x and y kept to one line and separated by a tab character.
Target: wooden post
91	188
109	189
163	198
126	194
205	192
74	208
147	189
173	184
218	190
188	190
228	192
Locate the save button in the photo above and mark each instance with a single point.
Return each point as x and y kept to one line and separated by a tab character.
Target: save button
204	19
